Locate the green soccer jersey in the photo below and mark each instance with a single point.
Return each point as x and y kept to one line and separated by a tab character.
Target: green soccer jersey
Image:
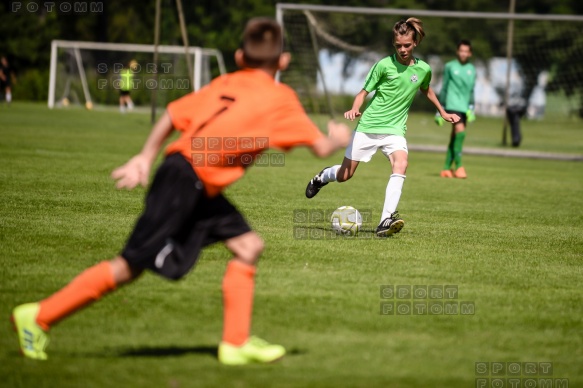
126	80
457	92
395	86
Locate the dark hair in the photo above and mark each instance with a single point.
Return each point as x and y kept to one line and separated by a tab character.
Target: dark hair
464	42
411	25
262	43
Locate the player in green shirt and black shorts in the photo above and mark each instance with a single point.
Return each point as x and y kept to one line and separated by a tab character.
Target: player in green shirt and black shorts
395	80
457	96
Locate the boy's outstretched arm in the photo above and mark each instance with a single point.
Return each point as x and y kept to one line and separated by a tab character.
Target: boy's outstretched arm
137	169
354	112
338	137
431	96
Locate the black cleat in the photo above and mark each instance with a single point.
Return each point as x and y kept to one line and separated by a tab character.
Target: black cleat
315	185
390	225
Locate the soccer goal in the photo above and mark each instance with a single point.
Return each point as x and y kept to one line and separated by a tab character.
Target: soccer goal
333	47
90	73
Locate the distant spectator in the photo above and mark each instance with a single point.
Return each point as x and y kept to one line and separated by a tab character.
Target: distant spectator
127	76
6	79
515	111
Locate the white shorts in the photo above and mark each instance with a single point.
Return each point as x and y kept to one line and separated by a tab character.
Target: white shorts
364	145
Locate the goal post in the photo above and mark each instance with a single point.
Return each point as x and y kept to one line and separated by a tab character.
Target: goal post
545	66
96	65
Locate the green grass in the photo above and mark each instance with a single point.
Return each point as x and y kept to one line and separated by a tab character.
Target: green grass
510	237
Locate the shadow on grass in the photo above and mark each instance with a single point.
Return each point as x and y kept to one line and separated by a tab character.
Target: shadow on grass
168	351
313	232
172	351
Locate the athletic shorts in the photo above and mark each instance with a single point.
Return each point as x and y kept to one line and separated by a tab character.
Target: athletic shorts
179	220
462	115
364	145
124	92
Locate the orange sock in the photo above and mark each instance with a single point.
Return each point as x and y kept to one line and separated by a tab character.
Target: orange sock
238	285
85	289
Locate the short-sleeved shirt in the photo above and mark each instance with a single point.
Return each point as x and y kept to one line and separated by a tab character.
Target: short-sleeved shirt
227	124
457	90
395	86
126	77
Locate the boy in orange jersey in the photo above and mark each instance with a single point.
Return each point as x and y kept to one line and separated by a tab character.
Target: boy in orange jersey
185	210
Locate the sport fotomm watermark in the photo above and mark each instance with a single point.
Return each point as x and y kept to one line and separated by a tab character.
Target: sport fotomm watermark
420	299
517	375
148	75
314	224
65	7
231	151
145	75
144	82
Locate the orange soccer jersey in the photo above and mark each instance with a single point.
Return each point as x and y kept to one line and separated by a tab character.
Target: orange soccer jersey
228	123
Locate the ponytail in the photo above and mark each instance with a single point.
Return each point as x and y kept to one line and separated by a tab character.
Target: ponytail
406	27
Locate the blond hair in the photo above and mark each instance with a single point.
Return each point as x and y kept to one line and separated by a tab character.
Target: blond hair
409	26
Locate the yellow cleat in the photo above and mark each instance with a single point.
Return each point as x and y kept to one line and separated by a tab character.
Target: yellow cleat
255	350
32	339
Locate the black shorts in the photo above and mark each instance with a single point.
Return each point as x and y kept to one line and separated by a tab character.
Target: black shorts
124	92
462	115
178	221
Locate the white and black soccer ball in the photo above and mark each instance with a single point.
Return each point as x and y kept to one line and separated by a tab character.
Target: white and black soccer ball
346	221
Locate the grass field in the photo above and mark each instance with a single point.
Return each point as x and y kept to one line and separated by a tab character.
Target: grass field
510	238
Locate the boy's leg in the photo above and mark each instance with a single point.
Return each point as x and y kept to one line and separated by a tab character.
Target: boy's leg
458	143
337	173
33	320
237	346
390	219
449	156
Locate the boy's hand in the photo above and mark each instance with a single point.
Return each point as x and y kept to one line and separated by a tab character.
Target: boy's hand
135	171
339	133
351	114
451	118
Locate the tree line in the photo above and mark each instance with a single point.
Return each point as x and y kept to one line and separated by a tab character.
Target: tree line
27	27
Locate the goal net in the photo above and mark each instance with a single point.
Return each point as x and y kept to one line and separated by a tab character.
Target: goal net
91	73
333	49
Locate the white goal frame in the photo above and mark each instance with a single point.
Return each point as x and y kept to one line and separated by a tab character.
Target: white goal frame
281	8
196	52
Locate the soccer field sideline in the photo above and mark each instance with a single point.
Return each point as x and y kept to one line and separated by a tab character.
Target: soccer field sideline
510	153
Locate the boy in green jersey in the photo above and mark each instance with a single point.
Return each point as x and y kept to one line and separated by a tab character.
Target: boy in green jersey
395	81
457	96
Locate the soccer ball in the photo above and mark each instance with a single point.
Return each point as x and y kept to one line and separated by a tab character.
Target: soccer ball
346	221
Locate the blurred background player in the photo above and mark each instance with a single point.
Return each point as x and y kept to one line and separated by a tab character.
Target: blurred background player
127	77
457	96
395	80
185	208
6	79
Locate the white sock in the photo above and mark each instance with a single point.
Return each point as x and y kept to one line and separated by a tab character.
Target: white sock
130	105
392	195
8	97
329	174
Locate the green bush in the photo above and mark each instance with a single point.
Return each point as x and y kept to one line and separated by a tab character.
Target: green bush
32	85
